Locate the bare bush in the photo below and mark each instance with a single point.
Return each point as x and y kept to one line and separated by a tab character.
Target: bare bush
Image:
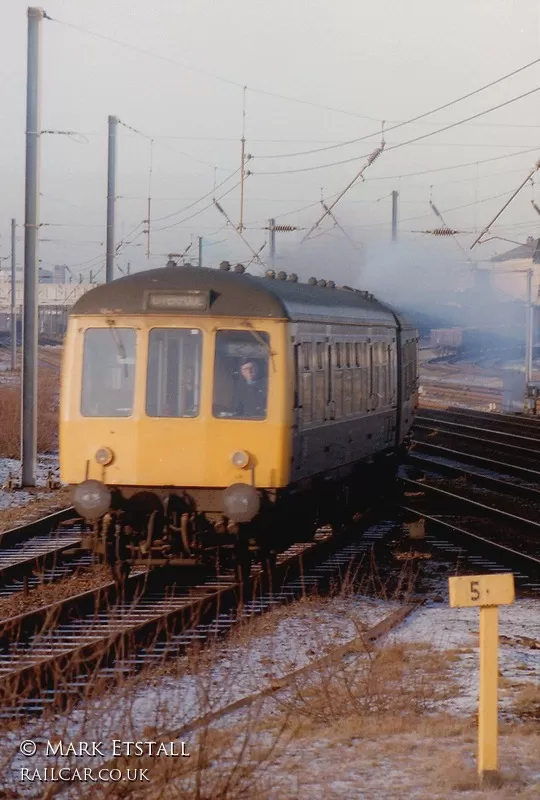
10	415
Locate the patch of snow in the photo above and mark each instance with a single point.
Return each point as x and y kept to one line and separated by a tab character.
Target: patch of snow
17	498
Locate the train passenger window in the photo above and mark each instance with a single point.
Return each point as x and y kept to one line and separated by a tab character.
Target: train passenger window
108	372
241	374
173	381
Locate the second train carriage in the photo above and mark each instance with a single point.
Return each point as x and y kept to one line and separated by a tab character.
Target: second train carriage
170	447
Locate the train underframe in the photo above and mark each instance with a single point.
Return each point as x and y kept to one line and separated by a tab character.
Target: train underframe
178	527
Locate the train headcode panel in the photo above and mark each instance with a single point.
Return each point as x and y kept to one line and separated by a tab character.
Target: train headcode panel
488	592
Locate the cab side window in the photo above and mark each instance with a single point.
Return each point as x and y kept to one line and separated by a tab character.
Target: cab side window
241	374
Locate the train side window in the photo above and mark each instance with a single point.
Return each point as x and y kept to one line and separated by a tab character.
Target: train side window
108	380
173	383
241	374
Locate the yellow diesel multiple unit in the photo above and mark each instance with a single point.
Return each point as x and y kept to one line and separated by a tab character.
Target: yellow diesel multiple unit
200	404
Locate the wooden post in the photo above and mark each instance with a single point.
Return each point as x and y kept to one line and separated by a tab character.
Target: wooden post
488	592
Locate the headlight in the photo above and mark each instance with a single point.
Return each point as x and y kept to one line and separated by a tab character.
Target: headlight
91	499
240	459
104	456
241	502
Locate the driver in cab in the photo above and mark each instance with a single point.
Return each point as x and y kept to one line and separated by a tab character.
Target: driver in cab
250	393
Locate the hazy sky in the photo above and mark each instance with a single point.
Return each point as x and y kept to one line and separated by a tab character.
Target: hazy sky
370	61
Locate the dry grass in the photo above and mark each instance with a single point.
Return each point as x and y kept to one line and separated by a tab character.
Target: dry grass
366	724
527	702
42	502
45	593
10	415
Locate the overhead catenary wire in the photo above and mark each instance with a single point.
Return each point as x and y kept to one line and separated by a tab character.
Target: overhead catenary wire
337	224
418	138
505	206
200	211
328	209
376	153
238	231
408	121
200	199
207	73
449	231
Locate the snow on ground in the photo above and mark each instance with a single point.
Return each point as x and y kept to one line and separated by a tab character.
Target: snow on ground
421	756
18	506
458	629
11	499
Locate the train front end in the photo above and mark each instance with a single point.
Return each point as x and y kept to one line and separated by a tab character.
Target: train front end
175	427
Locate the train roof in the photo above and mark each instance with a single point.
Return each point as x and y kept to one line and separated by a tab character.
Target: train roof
190	290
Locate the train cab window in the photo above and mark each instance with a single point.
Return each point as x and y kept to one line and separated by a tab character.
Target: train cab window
108	372
241	374
174	372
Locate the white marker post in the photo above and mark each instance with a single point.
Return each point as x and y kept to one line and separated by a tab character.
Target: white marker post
489	592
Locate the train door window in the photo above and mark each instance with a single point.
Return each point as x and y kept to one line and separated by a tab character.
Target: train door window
356	379
348	363
383	374
358	354
347	381
319	350
173	381
338	380
337	351
319	400
366	386
241	374
391	382
371	378
307	383
108	380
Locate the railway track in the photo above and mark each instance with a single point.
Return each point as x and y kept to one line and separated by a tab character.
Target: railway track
53	654
39	550
509	423
522	448
440	396
493	535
